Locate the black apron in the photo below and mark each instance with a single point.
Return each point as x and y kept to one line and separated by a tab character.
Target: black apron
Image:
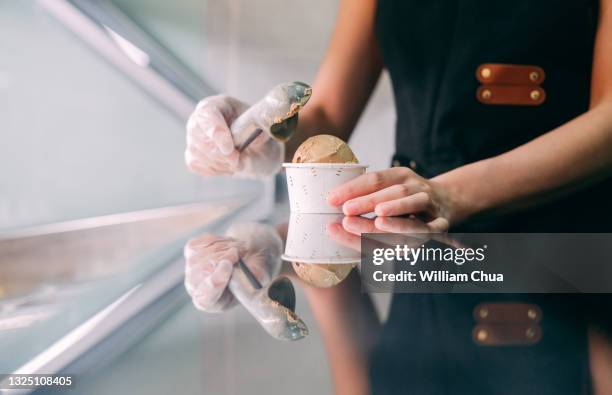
433	51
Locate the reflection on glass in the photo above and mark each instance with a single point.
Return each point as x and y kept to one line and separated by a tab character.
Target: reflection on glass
317	258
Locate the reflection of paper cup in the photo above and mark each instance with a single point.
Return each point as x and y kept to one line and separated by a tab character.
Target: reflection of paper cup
309	184
309	242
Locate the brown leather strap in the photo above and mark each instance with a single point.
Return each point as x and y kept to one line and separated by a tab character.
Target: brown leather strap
506	334
510	84
507	313
510	74
522	95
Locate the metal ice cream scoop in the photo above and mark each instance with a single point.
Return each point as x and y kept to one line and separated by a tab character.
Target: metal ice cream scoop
272	306
276	114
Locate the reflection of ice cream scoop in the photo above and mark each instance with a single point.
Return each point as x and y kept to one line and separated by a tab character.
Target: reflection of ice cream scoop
322	275
318	259
273	306
324	148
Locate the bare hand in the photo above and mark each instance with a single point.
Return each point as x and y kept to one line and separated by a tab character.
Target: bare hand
395	192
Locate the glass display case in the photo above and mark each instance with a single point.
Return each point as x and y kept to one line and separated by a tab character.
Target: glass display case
96	203
95	199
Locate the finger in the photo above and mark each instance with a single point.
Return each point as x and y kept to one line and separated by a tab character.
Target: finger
366	204
401	225
439	225
413	204
202	145
208	154
197	269
200	246
227	163
194	164
210	289
414	226
222	137
229	106
199	242
224	252
206	167
202	126
194	275
338	234
212	247
359	225
412	231
210	120
366	184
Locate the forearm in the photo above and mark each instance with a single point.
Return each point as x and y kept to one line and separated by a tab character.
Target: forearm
346	78
568	158
348	324
330	112
313	120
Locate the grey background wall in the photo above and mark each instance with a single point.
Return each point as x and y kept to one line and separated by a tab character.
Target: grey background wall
272	40
244	47
69	120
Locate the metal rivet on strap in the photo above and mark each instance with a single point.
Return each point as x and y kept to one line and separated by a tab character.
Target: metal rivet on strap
486	94
482	335
530	333
412	164
535	95
531	313
534	75
483	312
485	72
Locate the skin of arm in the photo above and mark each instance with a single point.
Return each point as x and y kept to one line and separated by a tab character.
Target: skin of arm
348	324
576	154
346	77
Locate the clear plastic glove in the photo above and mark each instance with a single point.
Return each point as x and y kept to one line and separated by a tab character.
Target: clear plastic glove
210	145
210	260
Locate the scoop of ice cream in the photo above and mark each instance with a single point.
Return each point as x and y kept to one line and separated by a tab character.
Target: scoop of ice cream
322	275
324	148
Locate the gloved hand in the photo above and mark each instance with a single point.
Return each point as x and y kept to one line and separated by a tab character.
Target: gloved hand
209	261
210	146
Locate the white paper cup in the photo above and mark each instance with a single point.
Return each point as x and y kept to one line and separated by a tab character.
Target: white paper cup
309	242
310	183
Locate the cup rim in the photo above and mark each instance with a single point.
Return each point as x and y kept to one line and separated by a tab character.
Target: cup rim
325	165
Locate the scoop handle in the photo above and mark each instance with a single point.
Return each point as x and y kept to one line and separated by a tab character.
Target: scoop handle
245	128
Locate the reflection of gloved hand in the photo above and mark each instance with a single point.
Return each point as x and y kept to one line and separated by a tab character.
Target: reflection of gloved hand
210	260
210	145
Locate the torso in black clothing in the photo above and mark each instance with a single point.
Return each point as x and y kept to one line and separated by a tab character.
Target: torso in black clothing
432	50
